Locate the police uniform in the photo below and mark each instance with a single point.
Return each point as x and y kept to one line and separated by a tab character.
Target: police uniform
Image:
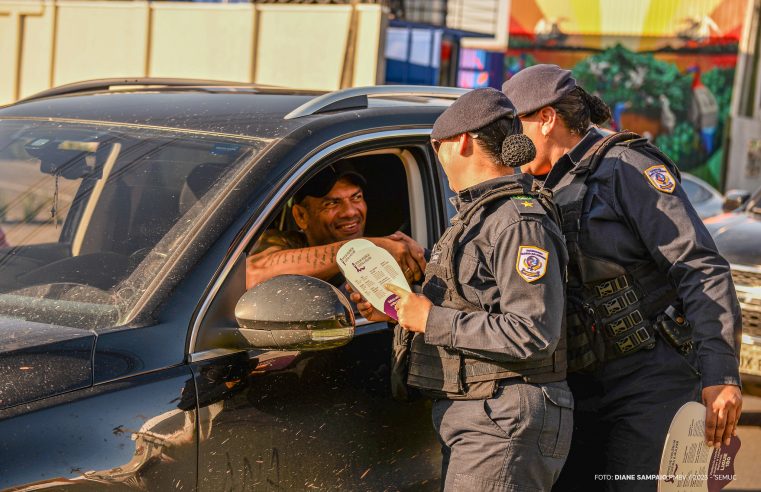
642	264
492	351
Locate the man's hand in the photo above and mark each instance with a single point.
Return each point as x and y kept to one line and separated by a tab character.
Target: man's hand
408	253
723	407
412	309
366	309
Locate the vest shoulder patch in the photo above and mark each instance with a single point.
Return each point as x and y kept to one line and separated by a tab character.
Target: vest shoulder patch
531	263
660	178
527	205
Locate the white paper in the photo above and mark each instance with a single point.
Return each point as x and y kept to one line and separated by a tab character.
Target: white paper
368	268
687	463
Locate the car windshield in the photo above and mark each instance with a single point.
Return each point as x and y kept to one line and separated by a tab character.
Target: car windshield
89	213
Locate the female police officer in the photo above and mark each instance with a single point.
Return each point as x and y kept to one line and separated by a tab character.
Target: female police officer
488	341
642	269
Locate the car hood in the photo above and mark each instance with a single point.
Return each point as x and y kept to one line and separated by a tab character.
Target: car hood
39	360
737	236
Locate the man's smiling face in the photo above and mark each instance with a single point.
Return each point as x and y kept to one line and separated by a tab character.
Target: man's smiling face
337	216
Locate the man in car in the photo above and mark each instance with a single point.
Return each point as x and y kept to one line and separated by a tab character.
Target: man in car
329	211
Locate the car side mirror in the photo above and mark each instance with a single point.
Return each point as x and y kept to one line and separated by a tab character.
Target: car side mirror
294	312
735	199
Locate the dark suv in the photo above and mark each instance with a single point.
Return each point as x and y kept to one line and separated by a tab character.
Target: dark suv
128	208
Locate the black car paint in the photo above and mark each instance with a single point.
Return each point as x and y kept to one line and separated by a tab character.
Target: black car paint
249	116
40	360
321	420
87	439
738	237
143	417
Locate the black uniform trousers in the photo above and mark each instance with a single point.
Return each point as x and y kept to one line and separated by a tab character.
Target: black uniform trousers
516	440
622	415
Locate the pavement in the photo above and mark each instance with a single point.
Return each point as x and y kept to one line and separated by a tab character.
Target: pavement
748	463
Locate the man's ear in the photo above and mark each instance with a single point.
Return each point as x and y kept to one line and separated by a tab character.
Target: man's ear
549	118
300	215
463	143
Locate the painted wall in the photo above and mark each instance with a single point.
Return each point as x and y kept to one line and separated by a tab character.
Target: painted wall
665	67
45	43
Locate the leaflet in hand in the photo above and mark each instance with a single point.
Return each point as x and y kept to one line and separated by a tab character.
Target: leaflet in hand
687	463
368	268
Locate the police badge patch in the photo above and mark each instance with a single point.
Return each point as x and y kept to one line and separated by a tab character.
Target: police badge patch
532	263
660	178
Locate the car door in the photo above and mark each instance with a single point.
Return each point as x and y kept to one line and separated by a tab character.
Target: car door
314	419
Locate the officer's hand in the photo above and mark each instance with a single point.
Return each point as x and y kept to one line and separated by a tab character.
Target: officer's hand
412	309
723	407
408	253
366	309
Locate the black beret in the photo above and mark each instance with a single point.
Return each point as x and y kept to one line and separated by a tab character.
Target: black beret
538	86
472	111
320	185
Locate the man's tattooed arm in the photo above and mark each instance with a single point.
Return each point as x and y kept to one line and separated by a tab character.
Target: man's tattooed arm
314	261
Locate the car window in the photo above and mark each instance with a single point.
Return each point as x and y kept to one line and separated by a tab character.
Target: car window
83	206
386	195
695	192
390	208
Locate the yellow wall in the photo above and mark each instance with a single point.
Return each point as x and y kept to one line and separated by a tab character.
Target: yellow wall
12	36
369	63
203	41
36	70
283	32
44	43
94	40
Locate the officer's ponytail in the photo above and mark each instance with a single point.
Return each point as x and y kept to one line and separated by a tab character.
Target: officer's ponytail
517	150
491	137
599	112
578	109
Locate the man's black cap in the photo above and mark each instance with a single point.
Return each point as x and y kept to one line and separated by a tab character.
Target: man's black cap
320	185
538	86
472	111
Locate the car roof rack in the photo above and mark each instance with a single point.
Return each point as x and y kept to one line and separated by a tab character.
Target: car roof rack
356	97
105	84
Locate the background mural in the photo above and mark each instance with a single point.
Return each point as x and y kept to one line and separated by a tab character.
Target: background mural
665	67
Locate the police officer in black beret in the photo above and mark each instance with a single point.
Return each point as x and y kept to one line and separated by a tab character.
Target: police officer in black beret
488	339
653	318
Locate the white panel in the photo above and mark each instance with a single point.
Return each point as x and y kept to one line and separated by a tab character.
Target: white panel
743	172
420	52
397	43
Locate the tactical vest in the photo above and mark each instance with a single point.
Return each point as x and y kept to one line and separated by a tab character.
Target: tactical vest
442	372
611	310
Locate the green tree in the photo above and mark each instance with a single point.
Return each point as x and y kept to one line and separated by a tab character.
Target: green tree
619	75
680	145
